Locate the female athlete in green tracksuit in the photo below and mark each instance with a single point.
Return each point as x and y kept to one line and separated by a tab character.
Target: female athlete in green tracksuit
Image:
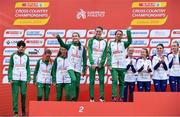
18	76
60	76
42	75
117	62
97	57
76	56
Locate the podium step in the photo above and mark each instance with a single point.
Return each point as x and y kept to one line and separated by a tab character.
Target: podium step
145	104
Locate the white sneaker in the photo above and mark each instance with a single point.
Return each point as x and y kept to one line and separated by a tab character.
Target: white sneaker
101	100
91	100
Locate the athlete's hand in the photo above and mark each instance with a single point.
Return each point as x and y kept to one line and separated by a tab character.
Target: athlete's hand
162	58
11	82
93	67
31	78
129	28
54	84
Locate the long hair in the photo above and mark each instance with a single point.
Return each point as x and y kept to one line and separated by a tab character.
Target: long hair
147	52
79	43
59	53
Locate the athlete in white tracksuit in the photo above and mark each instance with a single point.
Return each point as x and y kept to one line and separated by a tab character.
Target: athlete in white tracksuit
130	76
144	69
160	66
42	75
174	67
76	62
60	76
116	62
97	50
19	76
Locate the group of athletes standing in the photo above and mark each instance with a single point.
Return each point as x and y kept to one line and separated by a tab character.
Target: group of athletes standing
71	61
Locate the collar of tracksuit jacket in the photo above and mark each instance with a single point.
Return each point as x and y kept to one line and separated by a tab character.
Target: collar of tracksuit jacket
76	44
98	39
46	61
20	53
62	57
117	41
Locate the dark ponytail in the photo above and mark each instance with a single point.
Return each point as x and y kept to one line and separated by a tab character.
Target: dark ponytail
79	44
59	53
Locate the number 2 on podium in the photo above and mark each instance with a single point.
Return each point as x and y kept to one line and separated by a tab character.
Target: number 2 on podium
81	109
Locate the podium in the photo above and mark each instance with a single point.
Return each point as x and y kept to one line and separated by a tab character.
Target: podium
145	104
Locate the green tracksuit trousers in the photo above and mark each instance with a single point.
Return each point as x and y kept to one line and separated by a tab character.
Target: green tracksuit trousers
43	88
118	74
15	90
59	91
92	73
75	84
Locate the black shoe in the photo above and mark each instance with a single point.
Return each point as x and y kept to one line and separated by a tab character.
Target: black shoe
15	114
74	99
23	114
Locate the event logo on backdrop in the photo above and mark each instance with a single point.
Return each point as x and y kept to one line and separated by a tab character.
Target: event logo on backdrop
82	14
149	13
31	13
